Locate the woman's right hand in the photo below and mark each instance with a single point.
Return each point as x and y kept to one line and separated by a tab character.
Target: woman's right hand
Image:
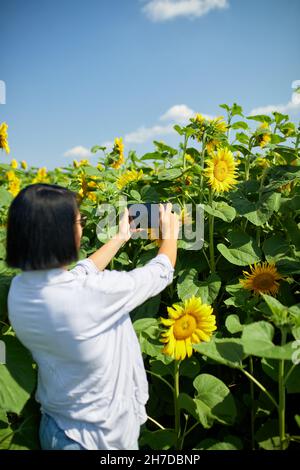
169	222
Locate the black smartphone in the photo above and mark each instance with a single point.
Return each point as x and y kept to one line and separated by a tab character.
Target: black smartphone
144	215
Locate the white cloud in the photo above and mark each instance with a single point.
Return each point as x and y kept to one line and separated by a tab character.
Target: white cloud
164	10
143	134
179	113
292	106
78	152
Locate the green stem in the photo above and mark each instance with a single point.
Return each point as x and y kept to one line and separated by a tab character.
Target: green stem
281	390
211	235
229	124
176	403
297	140
258	230
161	378
184	151
205	256
184	432
261	386
252	403
247	162
289	373
191	429
184	163
202	168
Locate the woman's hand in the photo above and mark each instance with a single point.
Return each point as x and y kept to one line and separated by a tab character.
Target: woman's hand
125	230
169	222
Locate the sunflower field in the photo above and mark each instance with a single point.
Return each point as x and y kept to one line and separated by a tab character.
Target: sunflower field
221	344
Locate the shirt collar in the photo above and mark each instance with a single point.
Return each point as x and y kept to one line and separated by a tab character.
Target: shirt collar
48	276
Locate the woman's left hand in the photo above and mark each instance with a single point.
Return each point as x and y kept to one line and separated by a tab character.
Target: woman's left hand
124	226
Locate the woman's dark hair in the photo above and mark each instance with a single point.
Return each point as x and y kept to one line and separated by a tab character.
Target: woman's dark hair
40	228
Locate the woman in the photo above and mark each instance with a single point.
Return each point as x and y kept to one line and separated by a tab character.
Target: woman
92	384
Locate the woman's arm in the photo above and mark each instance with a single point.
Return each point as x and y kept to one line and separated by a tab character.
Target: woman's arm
169	223
105	254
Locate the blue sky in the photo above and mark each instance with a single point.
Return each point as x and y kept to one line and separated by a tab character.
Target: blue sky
81	73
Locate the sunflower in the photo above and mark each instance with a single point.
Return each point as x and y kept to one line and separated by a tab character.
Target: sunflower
189	323
3	137
83	185
84	162
14	186
211	145
14	164
24	165
199	118
14	183
264	125
10	175
200	122
92	196
221	170
263	162
129	177
118	151
189	158
264	140
219	125
41	176
263	278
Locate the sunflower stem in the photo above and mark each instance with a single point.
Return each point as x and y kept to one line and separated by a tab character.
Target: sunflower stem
202	168
289	372
176	402
184	431
252	403
186	138
247	162
211	235
261	386
281	390
161	378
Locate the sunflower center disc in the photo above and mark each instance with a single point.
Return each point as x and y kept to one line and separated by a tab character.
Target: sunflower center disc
263	281
184	327
220	171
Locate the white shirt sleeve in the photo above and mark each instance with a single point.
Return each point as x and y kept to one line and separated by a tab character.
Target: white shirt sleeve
119	292
84	266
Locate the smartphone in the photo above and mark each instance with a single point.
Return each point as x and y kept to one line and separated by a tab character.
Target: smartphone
144	215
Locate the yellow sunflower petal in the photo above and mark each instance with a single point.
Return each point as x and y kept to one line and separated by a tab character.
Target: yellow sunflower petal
167	321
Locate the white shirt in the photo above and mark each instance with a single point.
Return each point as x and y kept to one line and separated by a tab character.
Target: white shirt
91	376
